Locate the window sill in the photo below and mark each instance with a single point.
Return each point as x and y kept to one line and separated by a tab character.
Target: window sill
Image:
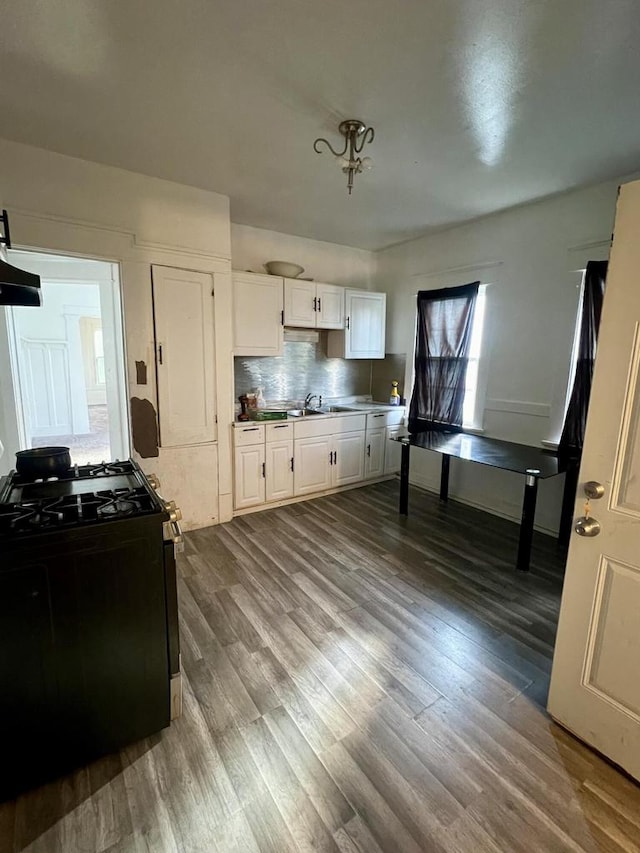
472	429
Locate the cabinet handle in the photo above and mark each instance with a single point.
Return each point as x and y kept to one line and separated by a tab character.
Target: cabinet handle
282	317
281	426
251	429
315	303
378	416
264	468
292	463
368	450
347	323
159	353
335	457
319	305
330	457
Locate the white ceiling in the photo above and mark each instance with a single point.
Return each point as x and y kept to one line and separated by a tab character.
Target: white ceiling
477	104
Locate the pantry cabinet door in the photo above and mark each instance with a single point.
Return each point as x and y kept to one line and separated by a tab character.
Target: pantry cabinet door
330	305
185	366
257	315
249	476
300	304
374	453
279	470
312	465
348	459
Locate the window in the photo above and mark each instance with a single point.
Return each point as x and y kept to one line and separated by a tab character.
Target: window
471	409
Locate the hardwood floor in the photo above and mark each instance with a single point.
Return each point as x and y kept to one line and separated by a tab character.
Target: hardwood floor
354	682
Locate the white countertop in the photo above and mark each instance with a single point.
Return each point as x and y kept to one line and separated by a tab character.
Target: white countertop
351	409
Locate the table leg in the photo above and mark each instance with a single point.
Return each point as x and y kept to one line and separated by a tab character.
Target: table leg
444	477
526	525
404	480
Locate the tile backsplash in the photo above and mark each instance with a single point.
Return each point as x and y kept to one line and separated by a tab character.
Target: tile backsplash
304	368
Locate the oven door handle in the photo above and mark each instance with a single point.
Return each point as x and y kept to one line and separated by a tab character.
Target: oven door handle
177	537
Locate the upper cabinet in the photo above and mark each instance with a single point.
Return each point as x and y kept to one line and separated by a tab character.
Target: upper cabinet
363	336
184	331
312	305
257	314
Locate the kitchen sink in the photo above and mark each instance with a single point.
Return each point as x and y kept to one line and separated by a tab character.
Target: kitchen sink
303	413
330	409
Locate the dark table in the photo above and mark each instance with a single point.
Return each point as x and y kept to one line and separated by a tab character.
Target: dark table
533	463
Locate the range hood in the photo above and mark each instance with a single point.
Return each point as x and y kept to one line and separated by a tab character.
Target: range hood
17	287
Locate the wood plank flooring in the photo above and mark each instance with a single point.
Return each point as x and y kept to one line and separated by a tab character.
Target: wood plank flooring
354	682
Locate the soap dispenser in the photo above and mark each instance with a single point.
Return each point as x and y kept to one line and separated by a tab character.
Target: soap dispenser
261	403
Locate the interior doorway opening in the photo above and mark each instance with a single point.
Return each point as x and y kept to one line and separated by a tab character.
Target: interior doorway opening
66	384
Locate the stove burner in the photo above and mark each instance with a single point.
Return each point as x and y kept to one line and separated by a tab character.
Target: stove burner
106	469
118	507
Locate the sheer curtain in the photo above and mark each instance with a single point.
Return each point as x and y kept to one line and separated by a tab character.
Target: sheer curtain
443	336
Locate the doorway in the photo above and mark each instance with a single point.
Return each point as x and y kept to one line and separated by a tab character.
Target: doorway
66	384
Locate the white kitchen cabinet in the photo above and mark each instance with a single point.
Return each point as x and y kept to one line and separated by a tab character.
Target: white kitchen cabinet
183	315
374	453
348	459
393	450
249	475
312	464
279	470
313	305
258	314
364	332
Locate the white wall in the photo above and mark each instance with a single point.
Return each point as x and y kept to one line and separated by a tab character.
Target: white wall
74	207
326	262
533	255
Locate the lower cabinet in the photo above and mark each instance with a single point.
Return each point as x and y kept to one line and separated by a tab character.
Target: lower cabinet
312	464
393	449
348	459
374	453
263	463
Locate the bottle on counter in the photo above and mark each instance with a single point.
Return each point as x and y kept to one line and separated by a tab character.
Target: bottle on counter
261	403
394	398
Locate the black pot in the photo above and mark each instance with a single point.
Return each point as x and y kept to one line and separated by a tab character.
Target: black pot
43	462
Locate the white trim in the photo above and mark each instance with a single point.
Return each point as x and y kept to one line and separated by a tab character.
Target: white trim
519	407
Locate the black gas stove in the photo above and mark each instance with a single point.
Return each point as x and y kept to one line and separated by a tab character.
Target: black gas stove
84	494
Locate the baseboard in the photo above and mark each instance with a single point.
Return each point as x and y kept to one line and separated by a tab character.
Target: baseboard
432	488
273	504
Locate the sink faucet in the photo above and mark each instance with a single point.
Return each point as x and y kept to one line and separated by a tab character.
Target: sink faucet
309	398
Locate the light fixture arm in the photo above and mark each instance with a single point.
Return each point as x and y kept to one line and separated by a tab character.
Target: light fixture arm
356	136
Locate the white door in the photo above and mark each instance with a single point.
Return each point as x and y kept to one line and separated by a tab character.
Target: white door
374	453
348	459
183	316
279	470
312	467
330	306
44	374
249	476
300	303
595	683
257	315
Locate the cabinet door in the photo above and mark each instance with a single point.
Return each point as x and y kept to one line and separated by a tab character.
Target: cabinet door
300	303
312	468
184	329
348	458
279	470
365	324
249	476
257	315
330	306
393	450
374	453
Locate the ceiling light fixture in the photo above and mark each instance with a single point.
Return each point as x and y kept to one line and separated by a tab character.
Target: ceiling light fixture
356	135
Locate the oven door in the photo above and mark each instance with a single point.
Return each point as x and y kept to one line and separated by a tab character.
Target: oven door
173	542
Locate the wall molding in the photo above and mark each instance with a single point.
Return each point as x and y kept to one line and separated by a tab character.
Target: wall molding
519	407
460	269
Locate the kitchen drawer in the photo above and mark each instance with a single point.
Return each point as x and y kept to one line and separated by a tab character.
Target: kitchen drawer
377	420
279	432
250	434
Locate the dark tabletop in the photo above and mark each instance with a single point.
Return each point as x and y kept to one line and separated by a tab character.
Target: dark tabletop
489	451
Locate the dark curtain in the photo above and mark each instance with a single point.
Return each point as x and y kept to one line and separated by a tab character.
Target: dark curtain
576	417
443	336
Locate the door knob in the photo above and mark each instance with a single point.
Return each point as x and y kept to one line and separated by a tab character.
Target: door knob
594	490
586	526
